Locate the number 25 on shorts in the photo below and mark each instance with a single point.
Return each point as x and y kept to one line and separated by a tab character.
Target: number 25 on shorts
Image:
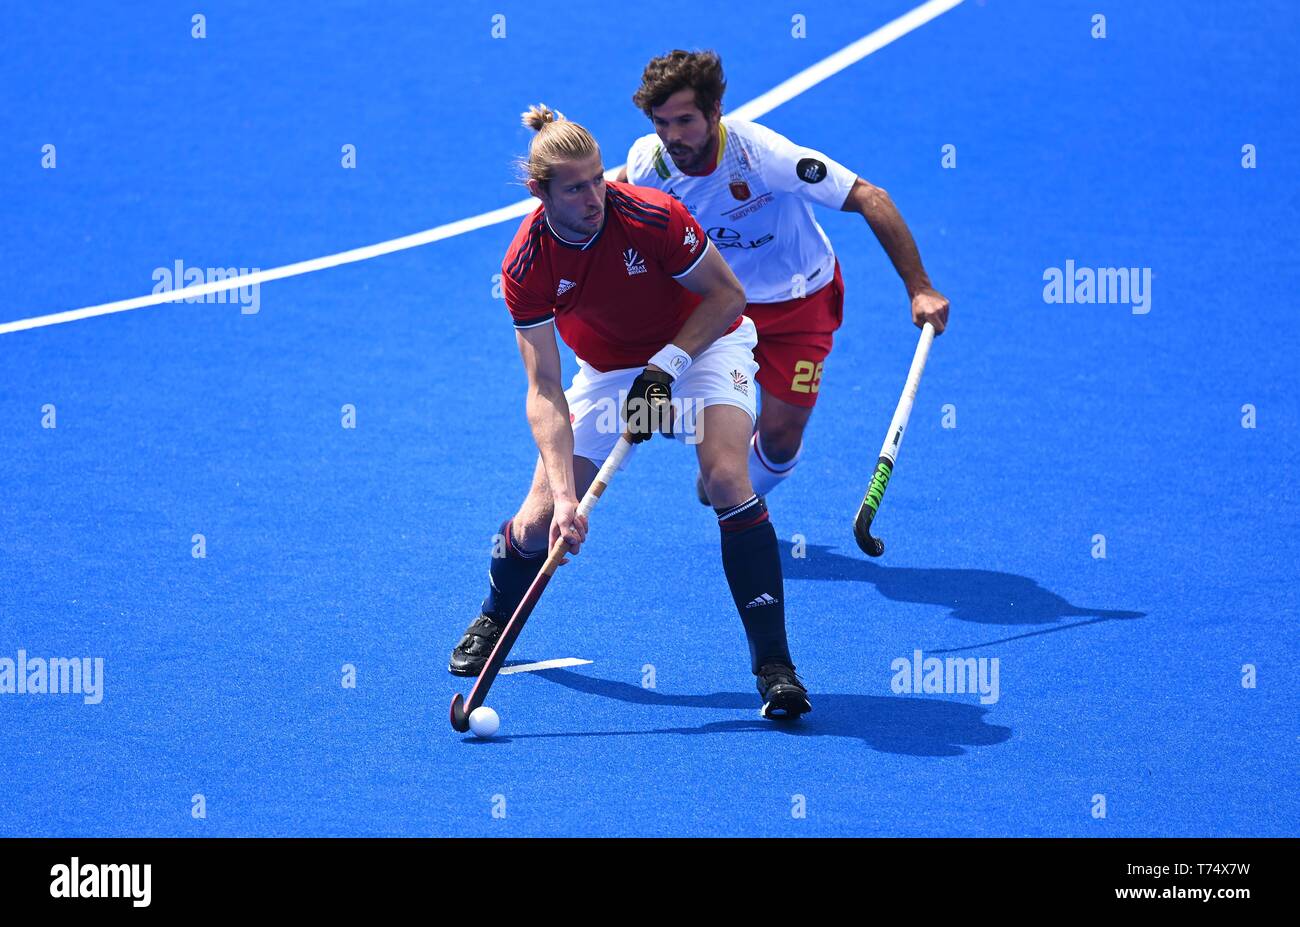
807	377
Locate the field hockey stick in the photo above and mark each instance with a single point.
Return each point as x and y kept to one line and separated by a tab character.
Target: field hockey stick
874	547
461	708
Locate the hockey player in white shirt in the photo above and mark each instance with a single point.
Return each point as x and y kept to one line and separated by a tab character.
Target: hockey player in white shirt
753	190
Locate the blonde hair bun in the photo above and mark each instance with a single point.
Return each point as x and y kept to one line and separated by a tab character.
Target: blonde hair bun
562	141
540	116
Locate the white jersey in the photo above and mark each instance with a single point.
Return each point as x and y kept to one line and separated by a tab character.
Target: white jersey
756	205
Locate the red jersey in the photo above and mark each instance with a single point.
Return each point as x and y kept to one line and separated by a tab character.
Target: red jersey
614	298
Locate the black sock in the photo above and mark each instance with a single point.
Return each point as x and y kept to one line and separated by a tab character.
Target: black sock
753	567
509	578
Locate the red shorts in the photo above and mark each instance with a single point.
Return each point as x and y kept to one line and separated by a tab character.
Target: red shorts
794	338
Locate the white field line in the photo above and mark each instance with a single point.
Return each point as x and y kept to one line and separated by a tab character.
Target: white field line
543	665
782	93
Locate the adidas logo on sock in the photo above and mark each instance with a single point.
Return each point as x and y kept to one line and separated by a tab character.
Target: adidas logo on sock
764	599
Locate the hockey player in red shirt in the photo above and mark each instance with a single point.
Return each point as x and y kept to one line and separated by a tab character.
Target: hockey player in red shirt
652	311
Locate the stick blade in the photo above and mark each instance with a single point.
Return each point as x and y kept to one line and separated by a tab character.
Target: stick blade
871	546
459	719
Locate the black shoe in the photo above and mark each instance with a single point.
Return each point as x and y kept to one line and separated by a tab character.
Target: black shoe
472	653
783	693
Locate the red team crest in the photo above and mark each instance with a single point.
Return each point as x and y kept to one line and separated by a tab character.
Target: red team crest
740	190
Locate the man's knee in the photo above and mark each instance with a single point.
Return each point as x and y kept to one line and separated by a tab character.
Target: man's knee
780	428
727	482
781	439
531	525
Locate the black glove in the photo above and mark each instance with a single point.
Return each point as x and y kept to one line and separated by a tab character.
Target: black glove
649	405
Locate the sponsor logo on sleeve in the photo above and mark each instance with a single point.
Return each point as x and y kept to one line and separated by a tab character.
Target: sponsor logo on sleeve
740	382
690	241
810	170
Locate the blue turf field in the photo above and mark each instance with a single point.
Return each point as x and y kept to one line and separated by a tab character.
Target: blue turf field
325	546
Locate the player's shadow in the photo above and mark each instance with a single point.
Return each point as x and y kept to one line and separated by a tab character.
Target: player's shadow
901	724
979	596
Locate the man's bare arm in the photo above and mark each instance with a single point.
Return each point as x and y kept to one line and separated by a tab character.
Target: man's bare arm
874	204
724	300
548	410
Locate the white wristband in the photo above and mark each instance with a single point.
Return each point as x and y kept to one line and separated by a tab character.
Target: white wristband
672	360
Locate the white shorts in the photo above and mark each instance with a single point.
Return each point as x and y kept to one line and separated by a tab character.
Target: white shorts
722	375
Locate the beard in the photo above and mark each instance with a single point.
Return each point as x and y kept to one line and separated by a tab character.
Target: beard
695	160
689	159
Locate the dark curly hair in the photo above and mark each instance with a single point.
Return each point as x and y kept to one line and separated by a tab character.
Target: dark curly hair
700	71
